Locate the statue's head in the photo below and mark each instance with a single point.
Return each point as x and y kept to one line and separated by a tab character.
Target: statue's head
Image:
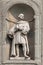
21	16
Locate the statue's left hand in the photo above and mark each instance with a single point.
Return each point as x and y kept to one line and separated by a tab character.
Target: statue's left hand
10	35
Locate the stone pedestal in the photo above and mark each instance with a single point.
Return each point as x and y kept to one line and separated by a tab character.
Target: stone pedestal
20	62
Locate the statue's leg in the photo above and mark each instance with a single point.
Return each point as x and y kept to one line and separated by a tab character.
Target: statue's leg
24	50
13	51
17	48
27	48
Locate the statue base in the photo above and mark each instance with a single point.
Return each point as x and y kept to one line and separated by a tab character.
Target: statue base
19	58
20	61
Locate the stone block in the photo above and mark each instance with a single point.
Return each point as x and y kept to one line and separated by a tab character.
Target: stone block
42	60
38	52
0	38
5	51
0	55
20	62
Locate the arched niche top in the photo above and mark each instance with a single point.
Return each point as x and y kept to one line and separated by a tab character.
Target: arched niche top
32	4
28	11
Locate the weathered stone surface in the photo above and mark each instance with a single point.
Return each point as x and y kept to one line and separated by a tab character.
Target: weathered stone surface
20	62
42	44
6	47
0	55
5	52
42	34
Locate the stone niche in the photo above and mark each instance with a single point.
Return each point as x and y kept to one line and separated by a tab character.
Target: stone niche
28	12
31	14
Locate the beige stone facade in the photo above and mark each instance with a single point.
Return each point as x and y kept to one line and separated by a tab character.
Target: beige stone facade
37	6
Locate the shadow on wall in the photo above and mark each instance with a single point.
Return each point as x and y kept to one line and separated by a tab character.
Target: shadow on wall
28	11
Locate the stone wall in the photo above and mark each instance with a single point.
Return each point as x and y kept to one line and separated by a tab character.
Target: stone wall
42	33
3	7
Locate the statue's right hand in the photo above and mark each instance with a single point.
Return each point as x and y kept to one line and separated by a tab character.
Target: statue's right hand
10	34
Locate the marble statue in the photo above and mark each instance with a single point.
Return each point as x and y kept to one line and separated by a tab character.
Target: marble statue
19	32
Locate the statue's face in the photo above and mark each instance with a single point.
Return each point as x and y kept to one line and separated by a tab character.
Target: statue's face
22	17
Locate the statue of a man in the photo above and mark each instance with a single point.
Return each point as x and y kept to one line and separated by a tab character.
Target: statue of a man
19	32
